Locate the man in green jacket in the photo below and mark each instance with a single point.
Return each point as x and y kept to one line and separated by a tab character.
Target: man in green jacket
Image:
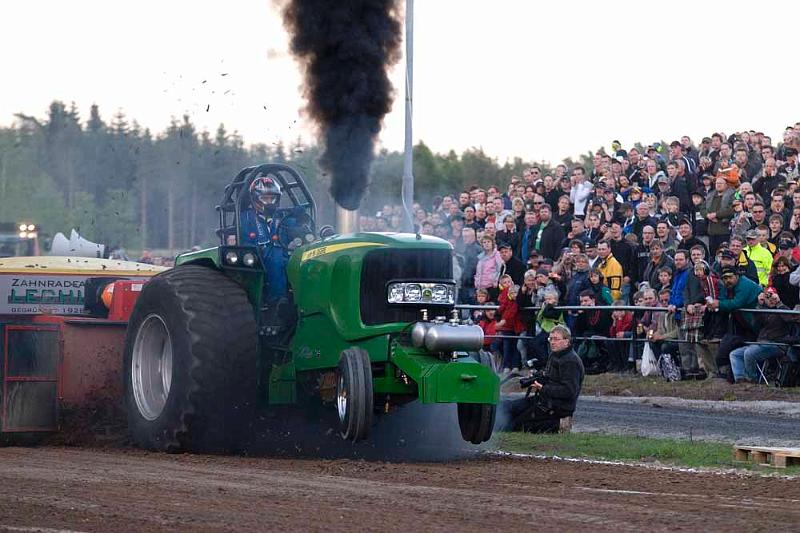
739	293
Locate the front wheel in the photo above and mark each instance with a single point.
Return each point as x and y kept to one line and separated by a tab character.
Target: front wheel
476	420
354	400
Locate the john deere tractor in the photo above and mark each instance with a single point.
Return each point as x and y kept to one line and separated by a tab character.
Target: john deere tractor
368	325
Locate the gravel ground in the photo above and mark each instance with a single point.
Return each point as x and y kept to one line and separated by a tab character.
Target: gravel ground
766	407
758	423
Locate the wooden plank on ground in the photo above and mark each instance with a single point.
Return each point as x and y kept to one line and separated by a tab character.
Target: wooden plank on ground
759	457
763	455
788	452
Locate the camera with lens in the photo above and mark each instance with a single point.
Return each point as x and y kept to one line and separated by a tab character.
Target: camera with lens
540	376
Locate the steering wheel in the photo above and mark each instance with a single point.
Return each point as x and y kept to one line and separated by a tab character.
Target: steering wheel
296	229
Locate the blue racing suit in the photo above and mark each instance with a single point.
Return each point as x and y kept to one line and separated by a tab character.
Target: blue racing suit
263	233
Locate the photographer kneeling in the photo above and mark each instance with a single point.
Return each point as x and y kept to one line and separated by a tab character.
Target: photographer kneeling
553	393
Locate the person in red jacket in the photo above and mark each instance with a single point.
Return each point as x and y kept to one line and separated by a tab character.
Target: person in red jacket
503	284
621	328
491	343
488	324
510	326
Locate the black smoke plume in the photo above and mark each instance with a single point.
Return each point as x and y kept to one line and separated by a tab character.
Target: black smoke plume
345	48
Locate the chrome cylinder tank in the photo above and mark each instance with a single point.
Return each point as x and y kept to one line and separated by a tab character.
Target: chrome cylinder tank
346	220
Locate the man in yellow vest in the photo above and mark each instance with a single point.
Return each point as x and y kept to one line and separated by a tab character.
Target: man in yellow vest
610	268
759	255
763	239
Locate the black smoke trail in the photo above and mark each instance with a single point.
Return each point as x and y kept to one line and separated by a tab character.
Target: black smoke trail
345	48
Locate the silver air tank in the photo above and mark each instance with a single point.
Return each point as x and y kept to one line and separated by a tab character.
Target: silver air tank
446	337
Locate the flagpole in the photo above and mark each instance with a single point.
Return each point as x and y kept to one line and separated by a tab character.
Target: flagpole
408	158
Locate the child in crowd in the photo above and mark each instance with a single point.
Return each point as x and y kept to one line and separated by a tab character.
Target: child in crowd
509	326
698	213
664	279
621	328
673	215
634	196
601	291
546	319
481	298
504	283
488	323
544	284
638	296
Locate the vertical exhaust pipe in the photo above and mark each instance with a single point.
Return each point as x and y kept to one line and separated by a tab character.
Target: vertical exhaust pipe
346	220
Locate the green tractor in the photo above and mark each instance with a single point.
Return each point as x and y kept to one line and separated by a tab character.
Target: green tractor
369	325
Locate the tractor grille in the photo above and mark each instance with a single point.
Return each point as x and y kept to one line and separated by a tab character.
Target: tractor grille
384	265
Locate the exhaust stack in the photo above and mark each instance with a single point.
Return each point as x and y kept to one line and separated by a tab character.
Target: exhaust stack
346	220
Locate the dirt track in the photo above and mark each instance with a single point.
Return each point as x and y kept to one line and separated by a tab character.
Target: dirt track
127	490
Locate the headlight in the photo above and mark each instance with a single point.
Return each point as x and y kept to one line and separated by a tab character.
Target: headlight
31	227
231	257
396	293
413	292
421	293
439	293
248	259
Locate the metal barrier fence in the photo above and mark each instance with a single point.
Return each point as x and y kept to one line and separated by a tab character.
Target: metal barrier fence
624	308
630	308
633	339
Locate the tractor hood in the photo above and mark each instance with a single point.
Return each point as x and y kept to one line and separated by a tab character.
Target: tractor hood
327	279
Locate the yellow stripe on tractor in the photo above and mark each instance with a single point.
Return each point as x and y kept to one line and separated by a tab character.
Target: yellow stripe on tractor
323	250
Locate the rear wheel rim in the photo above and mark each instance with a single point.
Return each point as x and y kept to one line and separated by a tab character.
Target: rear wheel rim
151	367
341	399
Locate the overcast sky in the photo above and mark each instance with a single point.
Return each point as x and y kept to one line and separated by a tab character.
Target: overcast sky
541	80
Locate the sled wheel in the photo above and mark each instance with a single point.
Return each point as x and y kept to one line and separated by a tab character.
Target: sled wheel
354	394
190	362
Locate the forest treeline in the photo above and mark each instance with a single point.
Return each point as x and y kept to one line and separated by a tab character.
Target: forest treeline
123	185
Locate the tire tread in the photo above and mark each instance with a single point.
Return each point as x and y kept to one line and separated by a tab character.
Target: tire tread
222	338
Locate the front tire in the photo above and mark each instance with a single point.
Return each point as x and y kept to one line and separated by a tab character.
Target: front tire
354	401
476	420
190	363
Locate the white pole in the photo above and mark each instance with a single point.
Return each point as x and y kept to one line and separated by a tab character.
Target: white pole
408	159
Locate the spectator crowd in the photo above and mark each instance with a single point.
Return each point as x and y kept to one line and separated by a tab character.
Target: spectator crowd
691	233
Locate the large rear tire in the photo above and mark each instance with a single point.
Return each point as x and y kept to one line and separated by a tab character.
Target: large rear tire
476	420
190	363
354	401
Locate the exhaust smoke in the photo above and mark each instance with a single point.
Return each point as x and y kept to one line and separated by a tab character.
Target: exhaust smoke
413	432
345	49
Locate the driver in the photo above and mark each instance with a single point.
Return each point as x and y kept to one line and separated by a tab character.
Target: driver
260	227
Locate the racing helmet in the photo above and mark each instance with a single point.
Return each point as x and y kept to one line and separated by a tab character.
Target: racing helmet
265	194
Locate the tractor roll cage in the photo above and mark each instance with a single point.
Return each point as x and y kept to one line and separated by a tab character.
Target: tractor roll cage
237	198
